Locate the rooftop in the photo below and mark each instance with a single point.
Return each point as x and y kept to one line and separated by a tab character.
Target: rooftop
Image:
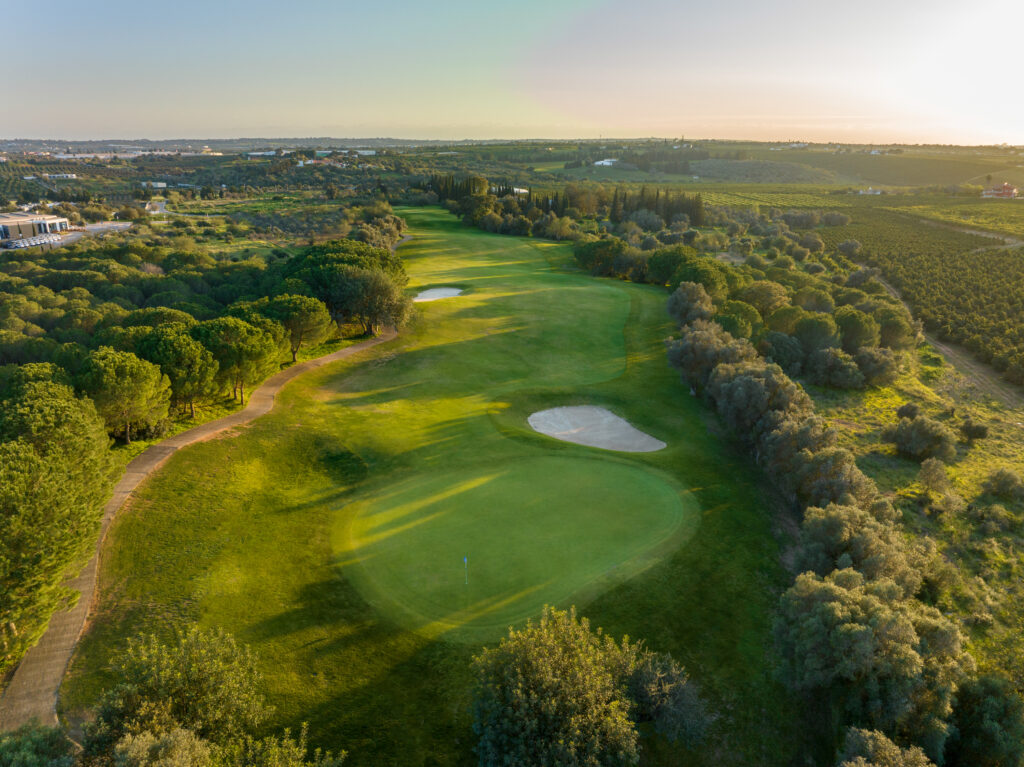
7	218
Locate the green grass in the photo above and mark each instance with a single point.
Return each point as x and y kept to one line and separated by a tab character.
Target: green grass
327	534
538	531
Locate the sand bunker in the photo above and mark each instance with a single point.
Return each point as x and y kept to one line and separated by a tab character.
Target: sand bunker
594	427
436	293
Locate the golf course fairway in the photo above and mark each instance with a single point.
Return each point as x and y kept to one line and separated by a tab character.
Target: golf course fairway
335	536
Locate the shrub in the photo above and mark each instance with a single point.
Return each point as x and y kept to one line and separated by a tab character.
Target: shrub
1005	484
971	430
923	438
908	410
870	748
879	366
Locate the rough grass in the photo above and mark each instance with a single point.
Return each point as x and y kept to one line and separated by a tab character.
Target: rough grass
254	532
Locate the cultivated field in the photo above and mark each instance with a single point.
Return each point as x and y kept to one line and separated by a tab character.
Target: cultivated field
331	534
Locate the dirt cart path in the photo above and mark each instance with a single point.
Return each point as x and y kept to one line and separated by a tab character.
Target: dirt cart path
32	693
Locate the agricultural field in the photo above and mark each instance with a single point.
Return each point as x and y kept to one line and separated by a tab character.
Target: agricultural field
331	534
907	168
1004	217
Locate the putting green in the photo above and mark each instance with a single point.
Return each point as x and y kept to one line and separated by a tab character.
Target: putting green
534	532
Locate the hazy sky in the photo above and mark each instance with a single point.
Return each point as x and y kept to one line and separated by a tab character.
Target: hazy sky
898	70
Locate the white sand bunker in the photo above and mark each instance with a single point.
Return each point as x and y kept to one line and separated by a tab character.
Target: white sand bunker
436	293
594	427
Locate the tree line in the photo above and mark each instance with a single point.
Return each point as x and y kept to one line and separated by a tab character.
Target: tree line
82	366
856	632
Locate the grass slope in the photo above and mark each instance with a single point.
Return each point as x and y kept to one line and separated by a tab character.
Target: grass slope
324	534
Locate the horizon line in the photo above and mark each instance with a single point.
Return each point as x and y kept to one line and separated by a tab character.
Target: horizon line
498	139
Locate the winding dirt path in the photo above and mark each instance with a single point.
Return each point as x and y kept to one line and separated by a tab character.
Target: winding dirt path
32	693
985	377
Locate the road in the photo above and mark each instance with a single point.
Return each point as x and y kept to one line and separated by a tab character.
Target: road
32	693
96	230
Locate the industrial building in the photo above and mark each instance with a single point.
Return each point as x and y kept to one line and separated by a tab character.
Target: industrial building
19	226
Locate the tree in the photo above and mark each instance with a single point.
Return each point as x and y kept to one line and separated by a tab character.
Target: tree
305	319
381	302
188	365
245	353
664	262
895	330
856	329
849	248
814	300
784	350
690	302
988	725
932	476
841	536
890	662
550	696
833	367
817	331
739	318
704	345
765	296
870	748
205	683
56	473
126	390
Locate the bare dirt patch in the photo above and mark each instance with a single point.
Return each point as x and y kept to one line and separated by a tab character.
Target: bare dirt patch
594	427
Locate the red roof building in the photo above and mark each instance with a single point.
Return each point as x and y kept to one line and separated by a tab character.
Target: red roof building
1006	192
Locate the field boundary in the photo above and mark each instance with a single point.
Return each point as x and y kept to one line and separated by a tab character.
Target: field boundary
34	688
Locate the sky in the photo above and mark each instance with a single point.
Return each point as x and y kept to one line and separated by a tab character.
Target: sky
874	71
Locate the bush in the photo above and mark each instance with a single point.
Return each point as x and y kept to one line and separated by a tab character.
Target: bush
870	748
923	438
878	366
971	430
908	410
35	746
206	683
660	689
1005	484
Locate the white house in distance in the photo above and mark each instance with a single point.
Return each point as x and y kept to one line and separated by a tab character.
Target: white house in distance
606	163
